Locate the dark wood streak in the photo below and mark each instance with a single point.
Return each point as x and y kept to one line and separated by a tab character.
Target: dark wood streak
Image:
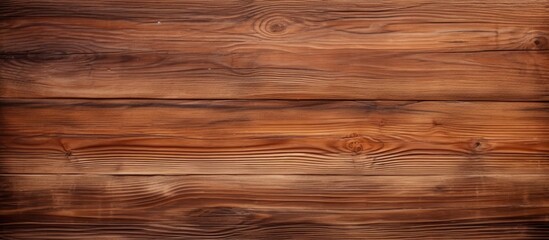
193	10
491	223
504	120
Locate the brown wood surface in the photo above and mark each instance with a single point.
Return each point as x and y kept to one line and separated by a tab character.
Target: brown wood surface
273	137
114	26
226	71
252	207
259	119
462	50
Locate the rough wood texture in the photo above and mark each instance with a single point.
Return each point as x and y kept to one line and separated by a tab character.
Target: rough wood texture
275	207
251	71
463	50
282	119
113	26
273	137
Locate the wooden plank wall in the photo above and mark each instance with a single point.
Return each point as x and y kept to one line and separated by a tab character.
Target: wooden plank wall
256	119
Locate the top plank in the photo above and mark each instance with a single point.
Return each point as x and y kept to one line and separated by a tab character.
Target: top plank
38	26
311	49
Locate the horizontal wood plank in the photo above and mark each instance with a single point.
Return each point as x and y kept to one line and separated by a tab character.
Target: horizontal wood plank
492	224
143	25
273	137
274	207
248	71
351	155
275	50
76	35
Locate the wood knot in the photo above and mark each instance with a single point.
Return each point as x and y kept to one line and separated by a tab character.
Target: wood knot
478	145
277	27
540	42
358	144
273	26
68	153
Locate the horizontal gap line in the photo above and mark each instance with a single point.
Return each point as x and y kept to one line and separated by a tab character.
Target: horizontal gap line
5	55
6	99
244	174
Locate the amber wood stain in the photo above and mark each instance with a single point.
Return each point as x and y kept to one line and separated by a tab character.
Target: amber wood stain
187	119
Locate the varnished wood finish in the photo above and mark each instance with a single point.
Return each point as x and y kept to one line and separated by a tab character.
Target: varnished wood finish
258	119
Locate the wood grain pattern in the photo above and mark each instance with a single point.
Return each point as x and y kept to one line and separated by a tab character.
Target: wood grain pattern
275	207
396	28
272	137
274	119
351	155
275	50
248	71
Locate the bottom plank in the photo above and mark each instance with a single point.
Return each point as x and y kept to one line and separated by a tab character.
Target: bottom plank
236	223
274	207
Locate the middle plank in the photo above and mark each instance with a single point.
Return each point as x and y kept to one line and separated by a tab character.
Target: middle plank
273	137
257	71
